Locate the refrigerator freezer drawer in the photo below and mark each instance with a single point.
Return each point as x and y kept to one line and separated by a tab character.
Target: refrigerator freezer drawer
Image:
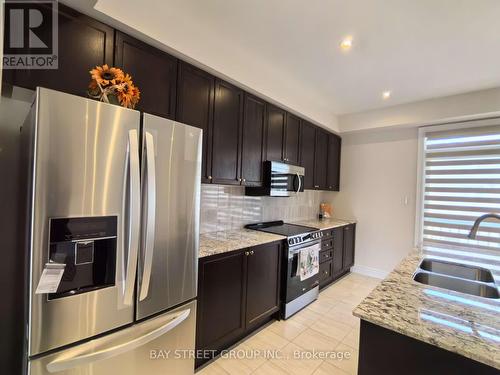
161	345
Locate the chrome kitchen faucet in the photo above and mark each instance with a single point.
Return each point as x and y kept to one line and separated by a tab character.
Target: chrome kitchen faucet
475	227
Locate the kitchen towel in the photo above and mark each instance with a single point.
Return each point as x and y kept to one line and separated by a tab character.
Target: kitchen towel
309	262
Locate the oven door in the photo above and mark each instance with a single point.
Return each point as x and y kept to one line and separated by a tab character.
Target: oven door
285	179
294	286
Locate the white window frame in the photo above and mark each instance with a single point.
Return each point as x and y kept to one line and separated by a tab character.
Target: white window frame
419	211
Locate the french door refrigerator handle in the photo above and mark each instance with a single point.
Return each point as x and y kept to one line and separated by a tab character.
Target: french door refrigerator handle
80	357
151	215
135	213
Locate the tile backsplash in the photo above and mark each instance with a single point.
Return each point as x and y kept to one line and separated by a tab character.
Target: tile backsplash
227	207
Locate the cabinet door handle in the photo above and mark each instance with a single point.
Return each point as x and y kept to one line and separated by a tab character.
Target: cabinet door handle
251	252
316	186
209	177
247	253
244	180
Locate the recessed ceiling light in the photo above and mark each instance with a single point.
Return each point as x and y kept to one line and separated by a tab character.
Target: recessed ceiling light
346	43
386	95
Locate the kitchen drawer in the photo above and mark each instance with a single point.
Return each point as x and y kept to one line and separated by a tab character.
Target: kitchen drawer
327	233
325	273
326	245
325	255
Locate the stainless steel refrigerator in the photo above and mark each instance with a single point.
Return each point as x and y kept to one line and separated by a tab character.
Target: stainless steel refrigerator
113	231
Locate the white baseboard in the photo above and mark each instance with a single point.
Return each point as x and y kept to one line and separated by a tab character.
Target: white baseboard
369	271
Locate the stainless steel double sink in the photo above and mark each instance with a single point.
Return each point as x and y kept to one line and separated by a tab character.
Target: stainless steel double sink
462	278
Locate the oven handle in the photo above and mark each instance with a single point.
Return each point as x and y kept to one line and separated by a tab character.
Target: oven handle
292	252
300	183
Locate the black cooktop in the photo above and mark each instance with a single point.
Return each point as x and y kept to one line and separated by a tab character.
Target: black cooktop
279	227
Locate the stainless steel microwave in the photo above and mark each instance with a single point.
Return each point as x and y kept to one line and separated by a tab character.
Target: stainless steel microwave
279	180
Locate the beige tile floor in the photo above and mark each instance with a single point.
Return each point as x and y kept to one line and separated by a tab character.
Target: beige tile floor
327	325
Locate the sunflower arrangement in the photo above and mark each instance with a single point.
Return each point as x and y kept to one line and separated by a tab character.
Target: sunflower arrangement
111	85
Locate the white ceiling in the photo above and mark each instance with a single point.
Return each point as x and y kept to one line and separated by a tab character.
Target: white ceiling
288	49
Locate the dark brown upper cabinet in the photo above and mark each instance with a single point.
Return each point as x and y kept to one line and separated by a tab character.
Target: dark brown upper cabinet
152	70
292	139
240	131
275	132
226	134
195	103
307	146
253	138
83	44
333	174
320	159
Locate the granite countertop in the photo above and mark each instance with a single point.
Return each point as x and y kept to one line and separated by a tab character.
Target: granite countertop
325	223
225	241
464	324
221	242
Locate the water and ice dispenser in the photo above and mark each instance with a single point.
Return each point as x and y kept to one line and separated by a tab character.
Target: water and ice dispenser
87	248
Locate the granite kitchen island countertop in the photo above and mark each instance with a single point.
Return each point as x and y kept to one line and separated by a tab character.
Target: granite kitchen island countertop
457	322
224	241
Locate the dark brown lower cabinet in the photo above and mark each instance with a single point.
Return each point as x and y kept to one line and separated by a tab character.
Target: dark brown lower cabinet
221	300
383	351
263	281
338	250
325	273
237	292
337	254
348	256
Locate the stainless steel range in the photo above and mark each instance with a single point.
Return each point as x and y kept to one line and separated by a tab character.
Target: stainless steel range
296	293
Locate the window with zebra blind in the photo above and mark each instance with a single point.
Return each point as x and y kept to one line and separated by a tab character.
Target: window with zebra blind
460	181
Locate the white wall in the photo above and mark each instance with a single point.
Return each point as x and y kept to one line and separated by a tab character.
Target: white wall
378	173
477	104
